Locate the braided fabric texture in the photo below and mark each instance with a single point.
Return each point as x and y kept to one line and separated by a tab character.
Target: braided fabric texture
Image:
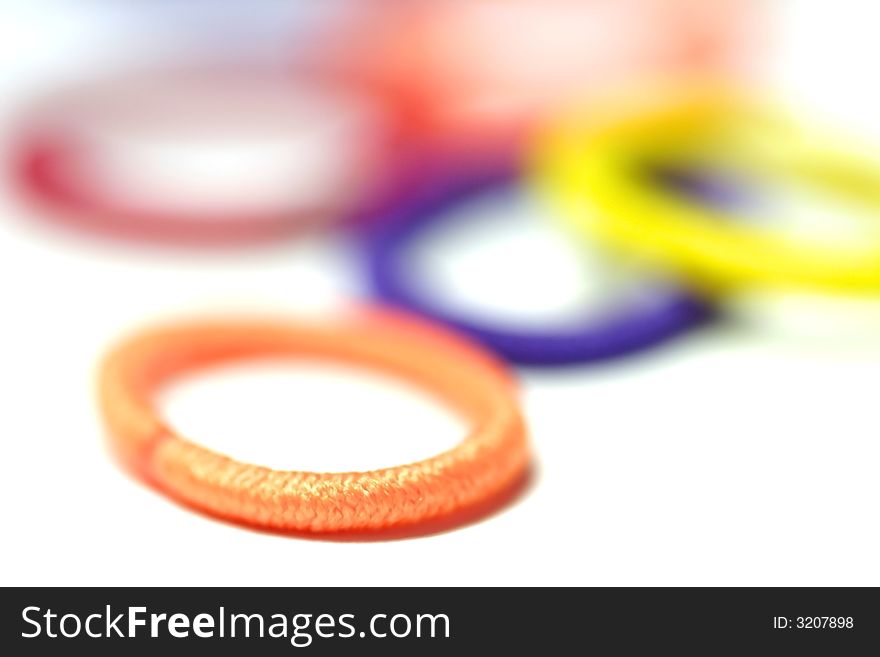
492	457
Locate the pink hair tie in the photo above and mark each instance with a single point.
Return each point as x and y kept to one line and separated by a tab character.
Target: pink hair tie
480	74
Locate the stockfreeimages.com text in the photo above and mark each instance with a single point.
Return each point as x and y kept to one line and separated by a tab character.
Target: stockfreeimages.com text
300	629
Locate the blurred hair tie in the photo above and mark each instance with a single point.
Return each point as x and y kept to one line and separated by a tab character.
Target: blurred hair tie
492	458
597	167
472	75
203	157
636	322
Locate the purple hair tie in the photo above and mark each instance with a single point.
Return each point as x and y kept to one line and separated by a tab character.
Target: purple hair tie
634	325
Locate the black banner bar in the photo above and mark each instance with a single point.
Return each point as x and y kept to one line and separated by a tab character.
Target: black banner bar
438	621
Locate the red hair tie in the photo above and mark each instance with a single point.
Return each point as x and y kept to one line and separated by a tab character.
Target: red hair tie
204	156
490	460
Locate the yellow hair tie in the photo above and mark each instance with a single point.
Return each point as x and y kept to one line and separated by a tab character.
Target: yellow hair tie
595	167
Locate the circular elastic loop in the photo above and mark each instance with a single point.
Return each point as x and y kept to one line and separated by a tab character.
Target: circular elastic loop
595	169
491	459
469	75
633	325
309	141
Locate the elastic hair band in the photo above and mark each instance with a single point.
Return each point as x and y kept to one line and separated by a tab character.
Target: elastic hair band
595	169
459	68
40	158
662	313
492	457
333	154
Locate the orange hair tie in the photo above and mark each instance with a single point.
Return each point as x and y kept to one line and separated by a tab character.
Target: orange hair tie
491	459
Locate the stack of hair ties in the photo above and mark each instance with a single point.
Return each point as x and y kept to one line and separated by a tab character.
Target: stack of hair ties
647	178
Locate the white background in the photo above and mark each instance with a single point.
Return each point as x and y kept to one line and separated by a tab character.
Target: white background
736	456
